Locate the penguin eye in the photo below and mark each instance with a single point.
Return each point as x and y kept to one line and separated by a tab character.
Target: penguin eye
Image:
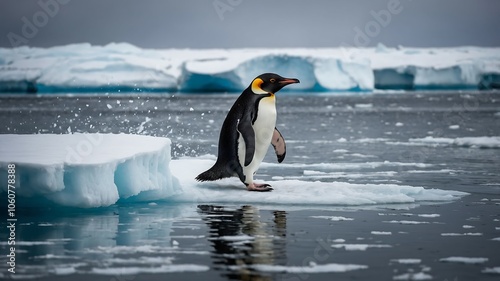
272	80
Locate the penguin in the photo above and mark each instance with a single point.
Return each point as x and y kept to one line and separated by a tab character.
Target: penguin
247	132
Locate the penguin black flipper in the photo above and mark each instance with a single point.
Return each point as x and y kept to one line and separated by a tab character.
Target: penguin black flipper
248	134
279	145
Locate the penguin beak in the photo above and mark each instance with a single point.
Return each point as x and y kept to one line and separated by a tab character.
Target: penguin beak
287	81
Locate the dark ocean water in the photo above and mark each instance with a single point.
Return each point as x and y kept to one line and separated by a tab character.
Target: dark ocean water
261	242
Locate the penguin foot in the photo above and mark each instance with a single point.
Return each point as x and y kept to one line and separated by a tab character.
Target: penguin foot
259	187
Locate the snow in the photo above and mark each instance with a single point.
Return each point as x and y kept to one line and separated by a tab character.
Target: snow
121	66
97	170
467	260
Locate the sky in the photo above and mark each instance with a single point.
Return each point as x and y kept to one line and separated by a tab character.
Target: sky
251	23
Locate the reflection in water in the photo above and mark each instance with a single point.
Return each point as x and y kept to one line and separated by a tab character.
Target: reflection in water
241	238
130	239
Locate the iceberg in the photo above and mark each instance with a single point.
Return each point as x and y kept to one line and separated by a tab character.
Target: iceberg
124	67
87	170
99	170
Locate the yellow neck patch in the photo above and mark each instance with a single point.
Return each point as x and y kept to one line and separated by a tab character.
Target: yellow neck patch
256	83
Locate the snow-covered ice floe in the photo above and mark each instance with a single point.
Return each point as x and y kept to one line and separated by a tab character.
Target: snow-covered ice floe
95	170
88	170
87	68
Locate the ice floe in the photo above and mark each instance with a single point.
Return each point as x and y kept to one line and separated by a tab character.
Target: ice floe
462	234
467	260
407	261
312	268
333	218
381	232
492	270
359	247
407	222
131	270
88	170
474	142
413	276
96	170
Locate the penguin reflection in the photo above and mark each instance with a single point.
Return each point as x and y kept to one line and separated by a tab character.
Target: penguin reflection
241	239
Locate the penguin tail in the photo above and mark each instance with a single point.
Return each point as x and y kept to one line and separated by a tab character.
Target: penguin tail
213	174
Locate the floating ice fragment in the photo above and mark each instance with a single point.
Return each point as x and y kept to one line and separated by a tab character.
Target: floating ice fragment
333	218
381	232
141	270
429	215
467	260
491	270
359	247
462	234
413	276
407	261
407	222
311	269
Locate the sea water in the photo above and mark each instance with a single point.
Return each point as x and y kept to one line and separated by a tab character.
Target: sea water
444	140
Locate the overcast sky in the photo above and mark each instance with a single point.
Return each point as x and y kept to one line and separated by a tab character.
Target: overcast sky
251	23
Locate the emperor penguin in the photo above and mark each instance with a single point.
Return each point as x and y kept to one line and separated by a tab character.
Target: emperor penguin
247	132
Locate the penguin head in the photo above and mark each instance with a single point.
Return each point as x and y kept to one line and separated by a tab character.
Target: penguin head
270	83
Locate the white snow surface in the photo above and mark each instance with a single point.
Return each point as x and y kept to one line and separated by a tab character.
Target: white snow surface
83	67
96	170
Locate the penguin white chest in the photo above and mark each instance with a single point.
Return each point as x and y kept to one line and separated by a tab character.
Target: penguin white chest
265	123
263	128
